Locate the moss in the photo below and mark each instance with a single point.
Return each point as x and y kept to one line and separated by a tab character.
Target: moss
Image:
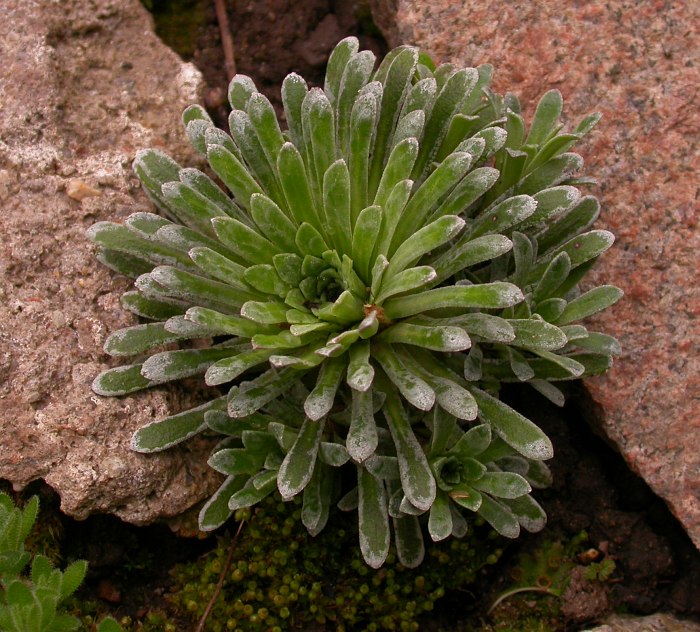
178	23
280	578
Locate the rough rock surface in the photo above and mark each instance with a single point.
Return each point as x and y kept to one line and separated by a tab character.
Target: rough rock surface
653	623
84	84
638	63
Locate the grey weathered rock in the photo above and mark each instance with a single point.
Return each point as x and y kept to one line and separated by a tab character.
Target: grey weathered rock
639	64
84	84
652	623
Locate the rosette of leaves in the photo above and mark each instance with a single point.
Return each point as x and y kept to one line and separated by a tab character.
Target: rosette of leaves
363	283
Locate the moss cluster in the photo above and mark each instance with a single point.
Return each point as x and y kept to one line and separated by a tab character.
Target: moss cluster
280	578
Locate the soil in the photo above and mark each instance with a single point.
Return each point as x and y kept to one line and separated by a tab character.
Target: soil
657	567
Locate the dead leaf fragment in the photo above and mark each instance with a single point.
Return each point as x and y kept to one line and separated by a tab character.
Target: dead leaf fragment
78	190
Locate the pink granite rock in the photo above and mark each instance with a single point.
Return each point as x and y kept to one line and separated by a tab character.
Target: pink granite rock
639	64
83	84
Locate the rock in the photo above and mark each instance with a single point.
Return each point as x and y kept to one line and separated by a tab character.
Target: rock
85	84
653	623
638	64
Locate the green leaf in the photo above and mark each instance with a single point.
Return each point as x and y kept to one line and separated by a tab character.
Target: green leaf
250	396
174	365
109	625
528	513
487	296
580	250
264	121
310	242
233	174
467	252
297	468
336	205
422	242
360	372
73	576
437	338
265	312
554	275
500	517
440	518
243	132
520	366
410	548
572	367
473	442
364	238
233	461
589	303
154	169
429	195
362	438
373	518
272	223
553	172
318	123
502	484
406	281
532	333
448	102
296	186
264	278
215	511
322	397
504	215
245	241
448	386
599	343
398	168
120	380
139	338
469	189
226	324
230	368
416	476
250	495
571	222
41	568
294	90
29	516
338	61
409	126
317	499
333	454
151	308
192	208
355	75
240	89
197	289
516	430
205	186
123	263
118	238
466	497
417	391
396	81
546	118
162	434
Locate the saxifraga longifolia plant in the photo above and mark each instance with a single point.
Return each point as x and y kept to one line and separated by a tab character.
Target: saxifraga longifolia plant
370	279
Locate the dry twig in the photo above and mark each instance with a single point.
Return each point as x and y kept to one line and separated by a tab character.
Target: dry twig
226	39
220	583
